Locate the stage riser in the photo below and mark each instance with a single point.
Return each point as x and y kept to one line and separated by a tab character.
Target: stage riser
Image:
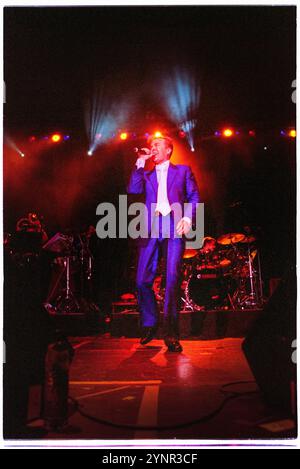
205	325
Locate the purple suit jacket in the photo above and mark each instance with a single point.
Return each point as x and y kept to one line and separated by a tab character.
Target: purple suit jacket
181	188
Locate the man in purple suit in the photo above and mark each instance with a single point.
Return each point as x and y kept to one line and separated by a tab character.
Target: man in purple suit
165	187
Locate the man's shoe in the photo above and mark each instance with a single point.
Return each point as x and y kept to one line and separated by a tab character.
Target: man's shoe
173	345
148	334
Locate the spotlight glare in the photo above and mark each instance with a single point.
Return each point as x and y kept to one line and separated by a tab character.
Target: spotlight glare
22	154
227	133
192	149
90	153
56	138
292	133
181	98
124	136
157	134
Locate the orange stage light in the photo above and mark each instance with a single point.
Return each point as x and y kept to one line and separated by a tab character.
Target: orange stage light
123	136
56	138
157	134
227	133
292	133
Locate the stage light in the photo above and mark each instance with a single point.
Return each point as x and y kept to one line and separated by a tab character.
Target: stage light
67	137
124	136
157	134
105	113
56	138
227	133
192	149
90	153
181	98
32	138
283	133
11	144
252	133
181	133
292	133
217	133
187	128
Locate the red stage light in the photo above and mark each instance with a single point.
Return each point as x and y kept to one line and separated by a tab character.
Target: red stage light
227	133
252	133
56	138
124	136
181	133
32	138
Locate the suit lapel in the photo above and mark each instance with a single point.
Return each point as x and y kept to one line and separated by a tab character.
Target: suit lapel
172	171
152	177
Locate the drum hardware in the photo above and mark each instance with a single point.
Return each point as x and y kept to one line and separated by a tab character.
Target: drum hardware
158	289
227	273
60	244
248	239
190	253
67	302
206	291
72	272
231	238
249	292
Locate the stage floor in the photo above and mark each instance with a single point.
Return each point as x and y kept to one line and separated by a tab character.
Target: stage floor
117	380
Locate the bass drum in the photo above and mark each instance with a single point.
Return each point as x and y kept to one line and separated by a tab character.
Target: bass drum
205	290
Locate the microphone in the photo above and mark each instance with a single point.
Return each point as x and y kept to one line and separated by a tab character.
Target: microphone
140	151
143	152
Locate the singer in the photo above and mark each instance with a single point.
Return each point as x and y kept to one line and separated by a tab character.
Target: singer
164	185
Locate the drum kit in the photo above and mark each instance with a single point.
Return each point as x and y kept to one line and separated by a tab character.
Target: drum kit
224	274
72	267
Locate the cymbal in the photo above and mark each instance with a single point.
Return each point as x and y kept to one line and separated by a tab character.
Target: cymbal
249	239
231	238
225	262
190	253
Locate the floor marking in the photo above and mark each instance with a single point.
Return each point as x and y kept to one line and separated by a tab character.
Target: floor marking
141	383
148	412
81	344
107	391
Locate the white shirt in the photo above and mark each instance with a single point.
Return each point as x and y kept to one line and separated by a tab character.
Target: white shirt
163	205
